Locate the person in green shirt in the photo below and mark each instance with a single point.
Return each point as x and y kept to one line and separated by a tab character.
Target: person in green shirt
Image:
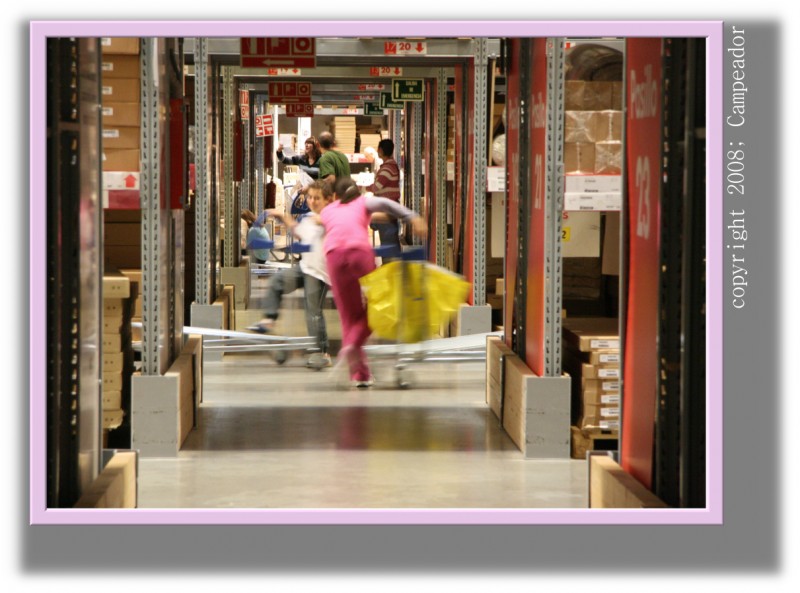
333	164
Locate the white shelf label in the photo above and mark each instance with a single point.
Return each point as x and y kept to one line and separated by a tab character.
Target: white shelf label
609	358
596	202
609	412
609	424
495	179
608	373
587	184
596	344
610	386
609	399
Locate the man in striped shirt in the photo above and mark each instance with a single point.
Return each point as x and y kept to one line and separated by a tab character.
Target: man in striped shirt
387	185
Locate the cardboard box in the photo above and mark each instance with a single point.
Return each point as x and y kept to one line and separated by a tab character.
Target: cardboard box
591	333
617	95
122	216
120	90
112	324
573	95
579	126
183	368
608	158
112	419
593	371
115	487
597	95
606	126
120	66
113	308
500	286
611	240
112	362
116	113
112	400
119	45
123	256
579	157
580	234
122	159
497	353
116	286
112	343
123	233
613	487
121	137
112	381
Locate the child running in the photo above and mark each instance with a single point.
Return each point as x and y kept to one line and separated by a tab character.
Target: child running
312	274
349	256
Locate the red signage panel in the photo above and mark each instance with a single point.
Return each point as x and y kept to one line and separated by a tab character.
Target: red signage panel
643	152
264	126
278	52
289	92
299	110
535	304
513	197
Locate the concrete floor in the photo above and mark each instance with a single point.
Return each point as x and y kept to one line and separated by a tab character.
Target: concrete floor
284	436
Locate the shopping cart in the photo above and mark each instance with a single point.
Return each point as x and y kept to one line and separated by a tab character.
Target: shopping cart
408	300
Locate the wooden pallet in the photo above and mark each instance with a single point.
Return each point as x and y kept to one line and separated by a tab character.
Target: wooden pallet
590	439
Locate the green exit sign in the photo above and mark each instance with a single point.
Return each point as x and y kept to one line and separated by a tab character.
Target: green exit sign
387	103
372	108
408	89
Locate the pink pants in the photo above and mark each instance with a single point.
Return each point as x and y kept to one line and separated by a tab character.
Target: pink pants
345	267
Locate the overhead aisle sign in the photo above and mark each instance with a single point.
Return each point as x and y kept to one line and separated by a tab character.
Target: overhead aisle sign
408	89
386	71
372	109
299	109
289	92
387	103
278	52
643	134
401	47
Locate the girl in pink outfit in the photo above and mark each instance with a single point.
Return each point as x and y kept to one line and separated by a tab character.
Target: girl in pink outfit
349	255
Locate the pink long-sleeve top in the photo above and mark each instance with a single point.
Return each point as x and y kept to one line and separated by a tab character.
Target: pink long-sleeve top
346	224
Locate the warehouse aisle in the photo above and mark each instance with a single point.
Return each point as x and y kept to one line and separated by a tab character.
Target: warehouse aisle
273	436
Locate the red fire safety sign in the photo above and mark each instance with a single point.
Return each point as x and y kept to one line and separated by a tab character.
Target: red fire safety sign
299	110
278	52
289	92
264	126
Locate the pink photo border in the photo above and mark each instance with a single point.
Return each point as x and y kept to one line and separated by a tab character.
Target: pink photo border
712	31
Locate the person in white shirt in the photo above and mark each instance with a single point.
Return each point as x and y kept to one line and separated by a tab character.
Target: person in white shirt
311	275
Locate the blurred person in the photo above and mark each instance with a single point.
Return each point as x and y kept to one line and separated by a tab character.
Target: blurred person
333	165
311	275
387	185
308	161
349	256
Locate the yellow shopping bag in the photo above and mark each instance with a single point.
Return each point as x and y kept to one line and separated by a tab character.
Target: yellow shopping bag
409	301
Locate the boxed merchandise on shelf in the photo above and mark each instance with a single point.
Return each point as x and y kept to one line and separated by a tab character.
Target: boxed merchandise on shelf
591	358
119	45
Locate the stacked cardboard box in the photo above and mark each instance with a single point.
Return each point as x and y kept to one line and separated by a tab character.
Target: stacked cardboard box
121	103
369	141
122	238
117	356
591	356
134	276
593	127
344	130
